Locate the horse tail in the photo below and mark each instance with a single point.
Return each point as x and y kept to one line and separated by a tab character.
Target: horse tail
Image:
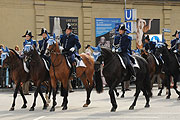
147	83
98	81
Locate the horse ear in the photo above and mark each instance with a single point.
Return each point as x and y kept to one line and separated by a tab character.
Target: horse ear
3	49
54	36
7	50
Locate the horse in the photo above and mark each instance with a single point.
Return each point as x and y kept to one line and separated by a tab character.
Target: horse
60	71
38	73
171	66
17	73
155	69
114	73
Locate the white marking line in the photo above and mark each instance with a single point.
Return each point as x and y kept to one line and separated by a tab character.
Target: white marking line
39	118
100	117
5	115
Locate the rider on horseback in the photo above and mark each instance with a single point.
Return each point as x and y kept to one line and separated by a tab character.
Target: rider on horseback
69	43
122	46
43	44
174	41
28	39
149	45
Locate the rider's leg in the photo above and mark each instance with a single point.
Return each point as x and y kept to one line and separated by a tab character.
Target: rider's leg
73	63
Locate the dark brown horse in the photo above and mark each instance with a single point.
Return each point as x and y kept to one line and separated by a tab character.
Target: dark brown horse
17	73
38	73
60	71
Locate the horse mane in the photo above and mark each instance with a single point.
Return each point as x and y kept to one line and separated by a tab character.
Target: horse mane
15	53
107	51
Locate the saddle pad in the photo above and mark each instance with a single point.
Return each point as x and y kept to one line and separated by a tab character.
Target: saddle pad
45	63
136	63
157	62
80	63
121	60
25	67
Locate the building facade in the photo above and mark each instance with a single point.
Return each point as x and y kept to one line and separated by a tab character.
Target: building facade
16	16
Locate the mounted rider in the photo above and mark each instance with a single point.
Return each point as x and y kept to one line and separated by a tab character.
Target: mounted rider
149	46
43	44
174	41
122	46
69	43
28	39
175	45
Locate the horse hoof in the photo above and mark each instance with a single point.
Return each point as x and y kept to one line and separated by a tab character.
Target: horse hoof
11	109
24	106
85	105
131	108
147	106
52	109
45	108
168	97
117	94
178	98
159	94
113	109
122	96
64	108
31	109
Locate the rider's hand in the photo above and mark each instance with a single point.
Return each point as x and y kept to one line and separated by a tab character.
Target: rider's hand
113	49
118	50
61	48
72	49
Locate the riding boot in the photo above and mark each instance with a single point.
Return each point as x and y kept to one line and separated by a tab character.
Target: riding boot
74	71
133	73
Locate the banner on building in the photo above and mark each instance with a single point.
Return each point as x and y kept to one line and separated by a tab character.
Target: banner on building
63	21
105	30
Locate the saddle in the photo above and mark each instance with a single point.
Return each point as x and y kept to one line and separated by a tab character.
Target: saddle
124	61
79	62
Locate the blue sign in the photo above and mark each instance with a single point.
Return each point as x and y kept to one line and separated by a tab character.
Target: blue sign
105	25
155	39
129	27
166	30
130	14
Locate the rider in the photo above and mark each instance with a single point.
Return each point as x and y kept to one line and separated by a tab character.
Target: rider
174	41
43	44
70	42
28	35
121	45
149	45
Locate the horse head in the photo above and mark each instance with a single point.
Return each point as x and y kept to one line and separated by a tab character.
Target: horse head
52	46
161	49
28	52
5	57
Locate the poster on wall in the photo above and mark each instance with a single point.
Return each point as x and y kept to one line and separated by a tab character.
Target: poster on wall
105	30
146	26
63	21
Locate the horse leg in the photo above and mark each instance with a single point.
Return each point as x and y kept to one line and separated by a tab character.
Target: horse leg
88	89
65	94
160	92
54	86
35	96
136	97
168	87
123	90
44	101
24	99
112	96
117	93
147	98
175	87
15	95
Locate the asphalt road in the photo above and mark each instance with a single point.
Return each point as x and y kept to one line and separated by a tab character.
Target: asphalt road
99	109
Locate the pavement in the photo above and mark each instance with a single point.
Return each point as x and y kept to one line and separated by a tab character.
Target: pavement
99	109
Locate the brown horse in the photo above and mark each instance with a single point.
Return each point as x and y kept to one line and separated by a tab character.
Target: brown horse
17	73
60	70
38	73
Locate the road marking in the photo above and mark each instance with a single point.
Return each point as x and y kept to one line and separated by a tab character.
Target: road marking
39	118
5	115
